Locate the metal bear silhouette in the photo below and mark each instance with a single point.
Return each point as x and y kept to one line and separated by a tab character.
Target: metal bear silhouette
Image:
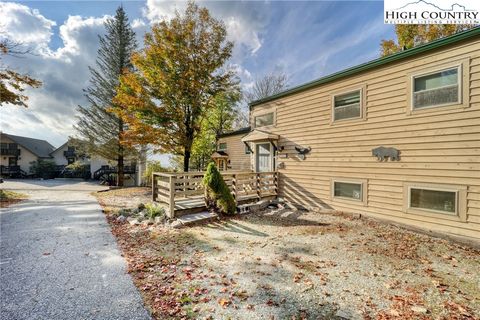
383	153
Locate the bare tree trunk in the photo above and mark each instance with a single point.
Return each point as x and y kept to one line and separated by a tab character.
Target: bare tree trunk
120	163
186	160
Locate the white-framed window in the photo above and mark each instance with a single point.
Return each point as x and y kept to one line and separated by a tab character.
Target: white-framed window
263	120
437	88
222	146
349	190
347	105
441	201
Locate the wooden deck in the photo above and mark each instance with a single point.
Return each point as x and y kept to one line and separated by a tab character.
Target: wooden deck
183	192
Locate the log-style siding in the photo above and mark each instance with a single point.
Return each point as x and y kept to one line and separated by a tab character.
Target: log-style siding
238	159
439	146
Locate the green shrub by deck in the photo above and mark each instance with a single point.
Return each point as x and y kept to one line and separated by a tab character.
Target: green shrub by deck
217	194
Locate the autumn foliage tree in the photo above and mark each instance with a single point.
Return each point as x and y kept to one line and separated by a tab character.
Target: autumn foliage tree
12	83
410	35
177	76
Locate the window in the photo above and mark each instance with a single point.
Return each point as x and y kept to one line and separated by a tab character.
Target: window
347	106
436	200
222	146
348	190
264	120
436	89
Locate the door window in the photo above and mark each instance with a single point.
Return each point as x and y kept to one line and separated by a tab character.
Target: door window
264	157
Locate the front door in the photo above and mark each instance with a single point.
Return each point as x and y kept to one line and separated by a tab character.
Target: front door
12	161
264	157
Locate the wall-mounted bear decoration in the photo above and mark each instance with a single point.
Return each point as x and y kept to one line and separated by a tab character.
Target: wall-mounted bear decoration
302	152
383	153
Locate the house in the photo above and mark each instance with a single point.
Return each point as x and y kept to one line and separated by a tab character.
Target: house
17	154
232	153
397	138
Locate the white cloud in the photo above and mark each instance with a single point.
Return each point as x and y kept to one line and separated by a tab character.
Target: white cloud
64	73
25	25
240	29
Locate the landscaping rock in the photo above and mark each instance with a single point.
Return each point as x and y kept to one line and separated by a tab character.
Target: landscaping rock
176	224
133	221
419	309
121	219
159	220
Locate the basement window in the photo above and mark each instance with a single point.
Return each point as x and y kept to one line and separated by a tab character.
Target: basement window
434	200
435	89
347	106
349	190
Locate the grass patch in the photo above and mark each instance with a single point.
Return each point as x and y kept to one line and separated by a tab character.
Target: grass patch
8	198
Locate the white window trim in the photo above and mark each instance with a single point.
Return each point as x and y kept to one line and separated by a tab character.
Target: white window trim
342	92
459	84
362	182
262	113
460	201
463	66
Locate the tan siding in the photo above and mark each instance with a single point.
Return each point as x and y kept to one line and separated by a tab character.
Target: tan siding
440	146
239	160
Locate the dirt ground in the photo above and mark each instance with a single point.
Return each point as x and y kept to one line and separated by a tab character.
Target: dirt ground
284	264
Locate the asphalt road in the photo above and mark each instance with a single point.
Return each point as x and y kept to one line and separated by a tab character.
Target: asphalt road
58	259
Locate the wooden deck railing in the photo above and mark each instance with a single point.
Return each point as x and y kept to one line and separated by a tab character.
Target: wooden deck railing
176	188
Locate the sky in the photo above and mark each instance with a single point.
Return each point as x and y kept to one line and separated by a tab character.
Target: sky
303	39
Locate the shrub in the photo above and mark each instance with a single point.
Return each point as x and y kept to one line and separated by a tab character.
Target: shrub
43	168
154	210
217	194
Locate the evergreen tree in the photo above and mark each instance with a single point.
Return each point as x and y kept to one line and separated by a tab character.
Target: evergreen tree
97	126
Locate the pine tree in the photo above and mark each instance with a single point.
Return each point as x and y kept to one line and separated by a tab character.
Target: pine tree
97	126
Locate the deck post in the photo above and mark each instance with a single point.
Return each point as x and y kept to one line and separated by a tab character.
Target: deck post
234	187
154	191
171	202
275	182
259	195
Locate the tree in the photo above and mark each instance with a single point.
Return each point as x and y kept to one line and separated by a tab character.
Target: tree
178	74
97	126
410	35
12	83
266	86
217	120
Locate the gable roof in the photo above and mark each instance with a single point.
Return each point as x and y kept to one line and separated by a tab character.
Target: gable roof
40	148
472	33
233	133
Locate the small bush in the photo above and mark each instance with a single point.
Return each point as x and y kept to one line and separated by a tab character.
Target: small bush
217	194
154	210
43	168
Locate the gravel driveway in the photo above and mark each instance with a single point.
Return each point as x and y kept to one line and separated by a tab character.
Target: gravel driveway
58	259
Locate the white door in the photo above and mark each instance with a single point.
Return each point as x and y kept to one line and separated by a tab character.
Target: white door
264	157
